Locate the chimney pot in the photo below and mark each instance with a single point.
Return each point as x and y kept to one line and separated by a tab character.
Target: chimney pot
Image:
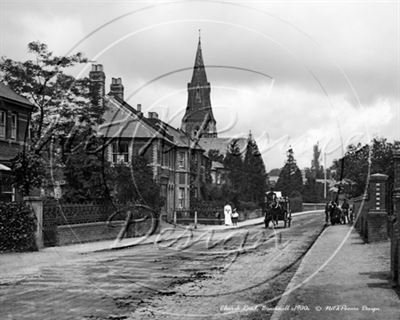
139	107
153	115
116	88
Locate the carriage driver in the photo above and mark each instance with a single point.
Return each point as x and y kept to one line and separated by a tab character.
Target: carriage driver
271	197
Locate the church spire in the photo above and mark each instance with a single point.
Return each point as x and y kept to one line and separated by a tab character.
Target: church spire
199	72
199	120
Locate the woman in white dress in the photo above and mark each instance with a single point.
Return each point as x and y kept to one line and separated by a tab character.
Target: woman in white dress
228	214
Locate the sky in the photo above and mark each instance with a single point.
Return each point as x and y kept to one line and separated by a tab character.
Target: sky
294	73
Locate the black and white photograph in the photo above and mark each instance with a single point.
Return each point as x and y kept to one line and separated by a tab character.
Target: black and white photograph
199	159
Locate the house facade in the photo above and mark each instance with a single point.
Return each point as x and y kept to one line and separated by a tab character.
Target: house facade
176	160
15	113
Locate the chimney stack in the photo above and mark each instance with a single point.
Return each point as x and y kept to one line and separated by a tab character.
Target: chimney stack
116	88
97	84
152	115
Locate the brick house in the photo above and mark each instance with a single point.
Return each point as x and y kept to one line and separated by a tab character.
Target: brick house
15	113
177	160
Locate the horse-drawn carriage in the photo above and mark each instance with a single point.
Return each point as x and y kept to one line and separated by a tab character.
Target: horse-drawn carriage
277	207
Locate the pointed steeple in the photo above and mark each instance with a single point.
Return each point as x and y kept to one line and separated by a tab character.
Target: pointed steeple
199	72
199	120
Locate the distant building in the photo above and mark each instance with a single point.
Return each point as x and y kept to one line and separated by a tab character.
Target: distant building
15	113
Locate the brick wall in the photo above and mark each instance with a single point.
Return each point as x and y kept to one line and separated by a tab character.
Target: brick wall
371	212
77	223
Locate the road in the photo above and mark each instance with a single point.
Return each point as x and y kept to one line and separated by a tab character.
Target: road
201	275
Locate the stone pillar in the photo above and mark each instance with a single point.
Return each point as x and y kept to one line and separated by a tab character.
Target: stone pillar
36	205
377	217
395	240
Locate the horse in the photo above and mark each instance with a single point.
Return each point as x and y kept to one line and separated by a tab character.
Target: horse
272	211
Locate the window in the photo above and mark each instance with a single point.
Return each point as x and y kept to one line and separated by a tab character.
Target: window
120	152
181	160
2	124
218	178
14	122
182	178
181	198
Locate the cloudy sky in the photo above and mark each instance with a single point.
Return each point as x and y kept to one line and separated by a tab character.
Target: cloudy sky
295	73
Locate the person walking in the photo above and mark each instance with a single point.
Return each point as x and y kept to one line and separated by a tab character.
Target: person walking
228	214
345	210
235	217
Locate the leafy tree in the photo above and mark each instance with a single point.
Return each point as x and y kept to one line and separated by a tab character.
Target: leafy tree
254	174
62	103
312	191
355	165
290	179
215	155
27	172
85	173
135	184
62	115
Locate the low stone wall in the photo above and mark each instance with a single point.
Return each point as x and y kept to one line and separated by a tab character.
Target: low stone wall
96	231
87	232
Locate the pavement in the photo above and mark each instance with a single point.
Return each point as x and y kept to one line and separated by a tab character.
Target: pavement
341	277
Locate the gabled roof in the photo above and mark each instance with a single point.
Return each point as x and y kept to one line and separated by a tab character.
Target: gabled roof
180	138
7	93
122	121
216	165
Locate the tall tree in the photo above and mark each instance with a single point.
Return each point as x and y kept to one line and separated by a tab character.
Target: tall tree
290	179
63	115
255	177
316	168
234	164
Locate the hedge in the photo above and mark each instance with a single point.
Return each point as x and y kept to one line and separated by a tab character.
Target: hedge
17	227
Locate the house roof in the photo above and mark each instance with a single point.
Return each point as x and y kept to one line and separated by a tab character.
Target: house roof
124	121
216	165
121	122
180	138
222	144
6	92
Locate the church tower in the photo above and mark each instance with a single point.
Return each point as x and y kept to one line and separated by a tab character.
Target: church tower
198	120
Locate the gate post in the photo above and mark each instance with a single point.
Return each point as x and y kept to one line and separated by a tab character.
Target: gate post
395	240
377	216
195	219
36	205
